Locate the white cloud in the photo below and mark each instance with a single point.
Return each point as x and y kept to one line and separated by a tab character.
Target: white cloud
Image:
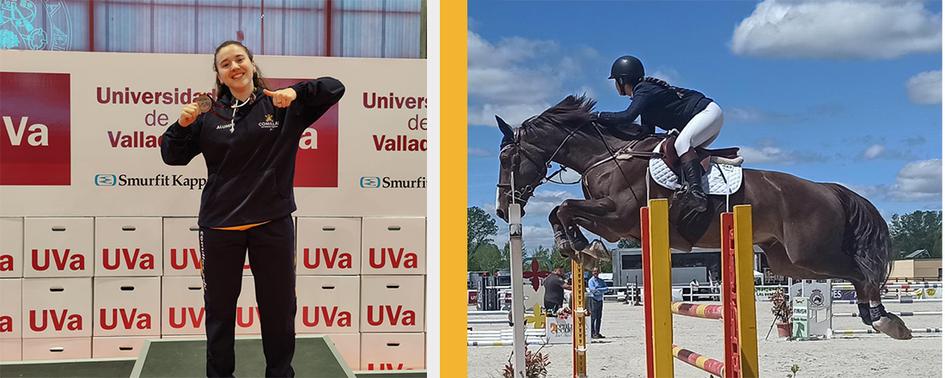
755	116
514	114
925	88
518	78
480	152
767	154
838	29
919	181
873	151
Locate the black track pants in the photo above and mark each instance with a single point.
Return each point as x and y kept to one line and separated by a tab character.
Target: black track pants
271	249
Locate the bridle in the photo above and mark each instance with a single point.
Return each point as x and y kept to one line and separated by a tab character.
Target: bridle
528	190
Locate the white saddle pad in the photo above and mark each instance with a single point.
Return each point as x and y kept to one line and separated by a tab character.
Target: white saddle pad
721	179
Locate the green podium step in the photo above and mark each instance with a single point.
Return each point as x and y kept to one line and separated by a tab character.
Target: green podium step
315	356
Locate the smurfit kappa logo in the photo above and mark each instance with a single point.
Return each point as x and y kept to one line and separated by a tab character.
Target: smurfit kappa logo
388	182
370	182
106	180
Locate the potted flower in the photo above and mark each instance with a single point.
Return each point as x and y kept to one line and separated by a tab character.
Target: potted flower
782	312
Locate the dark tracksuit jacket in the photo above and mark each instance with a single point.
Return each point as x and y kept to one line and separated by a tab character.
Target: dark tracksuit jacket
250	169
666	108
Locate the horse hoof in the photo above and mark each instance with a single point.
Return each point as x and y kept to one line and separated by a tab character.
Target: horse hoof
893	326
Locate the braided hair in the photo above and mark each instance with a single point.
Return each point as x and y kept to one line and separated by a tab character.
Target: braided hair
679	91
656	81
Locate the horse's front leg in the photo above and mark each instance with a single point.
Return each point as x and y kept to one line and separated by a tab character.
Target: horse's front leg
574	214
562	243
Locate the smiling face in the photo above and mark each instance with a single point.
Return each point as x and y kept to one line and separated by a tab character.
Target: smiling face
235	68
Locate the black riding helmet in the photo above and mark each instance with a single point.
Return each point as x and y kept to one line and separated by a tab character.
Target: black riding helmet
627	69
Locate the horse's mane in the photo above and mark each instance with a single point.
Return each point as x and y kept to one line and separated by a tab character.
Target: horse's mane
576	110
569	110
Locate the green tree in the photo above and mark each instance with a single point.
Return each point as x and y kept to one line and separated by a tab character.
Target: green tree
543	255
480	229
628	243
487	258
918	230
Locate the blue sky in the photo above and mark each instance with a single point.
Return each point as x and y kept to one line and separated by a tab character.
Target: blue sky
835	91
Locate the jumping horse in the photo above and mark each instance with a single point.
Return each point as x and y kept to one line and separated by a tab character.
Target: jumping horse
807	230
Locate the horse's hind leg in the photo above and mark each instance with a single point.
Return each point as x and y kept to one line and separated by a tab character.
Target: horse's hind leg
872	313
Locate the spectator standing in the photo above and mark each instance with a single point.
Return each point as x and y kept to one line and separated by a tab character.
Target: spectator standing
554	290
597	287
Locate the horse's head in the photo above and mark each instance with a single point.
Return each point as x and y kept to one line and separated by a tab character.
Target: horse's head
526	153
520	171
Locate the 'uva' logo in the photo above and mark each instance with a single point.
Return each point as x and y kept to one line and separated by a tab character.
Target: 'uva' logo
246	316
342	318
185	317
6	263
36	134
6	324
128	320
343	260
378	259
180	258
41	262
385	366
71	322
395	317
130	260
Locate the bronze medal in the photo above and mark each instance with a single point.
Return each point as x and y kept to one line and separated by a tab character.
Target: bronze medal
203	102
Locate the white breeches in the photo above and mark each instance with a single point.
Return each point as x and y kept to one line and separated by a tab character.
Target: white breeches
701	129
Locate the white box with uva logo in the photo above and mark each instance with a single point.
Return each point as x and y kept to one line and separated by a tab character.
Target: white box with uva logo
328	246
57	247
182	311
126	306
392	351
181	247
11	247
57	308
392	303
118	347
128	247
393	246
11	300
328	304
59	348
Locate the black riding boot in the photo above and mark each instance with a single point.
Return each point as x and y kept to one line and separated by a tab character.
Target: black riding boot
692	174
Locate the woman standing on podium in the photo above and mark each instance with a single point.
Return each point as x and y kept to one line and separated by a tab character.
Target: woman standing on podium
249	137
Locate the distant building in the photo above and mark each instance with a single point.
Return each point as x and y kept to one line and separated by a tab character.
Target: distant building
916	270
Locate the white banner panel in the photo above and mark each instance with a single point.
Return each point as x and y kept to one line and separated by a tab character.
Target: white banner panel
79	134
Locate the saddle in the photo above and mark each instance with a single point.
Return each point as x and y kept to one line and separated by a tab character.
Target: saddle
728	156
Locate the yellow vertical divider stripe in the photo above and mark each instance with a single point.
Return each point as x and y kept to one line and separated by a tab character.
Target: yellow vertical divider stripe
453	168
579	331
744	272
661	288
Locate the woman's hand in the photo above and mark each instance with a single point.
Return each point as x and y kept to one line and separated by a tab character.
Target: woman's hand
281	98
188	114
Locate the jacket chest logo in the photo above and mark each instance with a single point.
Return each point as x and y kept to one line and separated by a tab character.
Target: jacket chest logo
269	123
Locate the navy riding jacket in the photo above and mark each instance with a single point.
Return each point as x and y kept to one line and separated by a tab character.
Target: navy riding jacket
250	157
667	108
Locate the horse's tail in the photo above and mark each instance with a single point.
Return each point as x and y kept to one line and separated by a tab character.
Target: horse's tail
865	236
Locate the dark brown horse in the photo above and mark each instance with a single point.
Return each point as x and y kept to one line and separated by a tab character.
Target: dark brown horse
807	230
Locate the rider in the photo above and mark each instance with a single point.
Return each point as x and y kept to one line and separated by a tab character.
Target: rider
697	118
